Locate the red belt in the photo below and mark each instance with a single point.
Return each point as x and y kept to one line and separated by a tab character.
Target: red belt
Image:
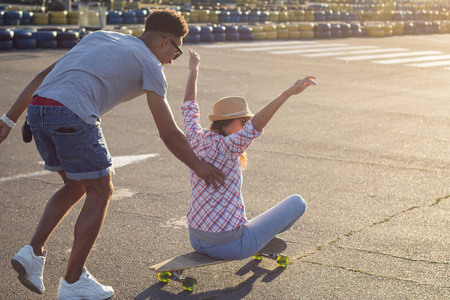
36	100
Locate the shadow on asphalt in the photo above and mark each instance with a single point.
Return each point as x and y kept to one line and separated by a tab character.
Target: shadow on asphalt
239	291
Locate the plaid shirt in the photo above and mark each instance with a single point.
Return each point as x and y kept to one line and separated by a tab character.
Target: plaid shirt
223	209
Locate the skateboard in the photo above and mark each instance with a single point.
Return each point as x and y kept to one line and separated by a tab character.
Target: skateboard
173	268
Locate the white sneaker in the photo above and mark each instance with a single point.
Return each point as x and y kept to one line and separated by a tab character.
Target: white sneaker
86	287
30	268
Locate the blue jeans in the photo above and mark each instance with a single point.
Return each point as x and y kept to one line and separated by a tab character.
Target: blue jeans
65	142
257	232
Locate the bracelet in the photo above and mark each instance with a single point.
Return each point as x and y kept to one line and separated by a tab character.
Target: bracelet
8	121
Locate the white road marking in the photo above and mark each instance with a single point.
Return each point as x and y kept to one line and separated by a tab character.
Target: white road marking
431	64
396	54
290	47
118	162
412	59
371	56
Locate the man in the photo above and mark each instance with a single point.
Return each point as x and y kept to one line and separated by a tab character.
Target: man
67	101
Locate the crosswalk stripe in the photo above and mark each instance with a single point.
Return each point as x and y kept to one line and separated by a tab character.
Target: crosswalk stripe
403	54
371	56
431	64
316	48
412	59
231	45
372	49
287	47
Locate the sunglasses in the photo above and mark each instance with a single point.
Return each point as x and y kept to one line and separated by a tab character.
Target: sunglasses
178	54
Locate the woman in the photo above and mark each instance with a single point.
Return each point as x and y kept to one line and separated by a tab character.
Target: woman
217	222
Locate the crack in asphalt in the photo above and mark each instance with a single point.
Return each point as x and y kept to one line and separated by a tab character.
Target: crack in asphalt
350	233
373	274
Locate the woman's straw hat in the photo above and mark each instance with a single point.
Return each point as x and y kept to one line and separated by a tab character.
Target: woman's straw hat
230	108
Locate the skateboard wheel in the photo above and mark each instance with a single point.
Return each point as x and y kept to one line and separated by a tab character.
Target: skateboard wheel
283	261
164	276
189	284
258	257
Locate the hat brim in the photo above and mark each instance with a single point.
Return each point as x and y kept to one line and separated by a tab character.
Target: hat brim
214	118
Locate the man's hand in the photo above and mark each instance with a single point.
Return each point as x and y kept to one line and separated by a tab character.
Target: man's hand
4	131
211	175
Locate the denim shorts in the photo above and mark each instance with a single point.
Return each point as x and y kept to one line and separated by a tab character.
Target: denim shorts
65	142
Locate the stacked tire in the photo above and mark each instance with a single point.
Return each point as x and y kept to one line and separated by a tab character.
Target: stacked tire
73	17
26	18
24	39
194	35
46	39
206	34
6	39
245	33
129	17
322	31
67	39
114	18
40	18
219	32
306	30
12	18
232	33
58	17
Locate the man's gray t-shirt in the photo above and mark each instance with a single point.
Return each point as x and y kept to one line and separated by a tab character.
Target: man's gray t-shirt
103	70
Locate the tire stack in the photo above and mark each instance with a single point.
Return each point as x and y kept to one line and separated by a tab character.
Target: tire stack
26	18
270	30
114	17
141	14
214	16
219	32
73	17
6	39
306	30
293	31
46	39
129	17
67	39
282	32
322	31
245	33
203	16
12	18
1	16
40	18
206	34
258	32
58	17
355	29
232	33
194	35
24	39
374	30
346	30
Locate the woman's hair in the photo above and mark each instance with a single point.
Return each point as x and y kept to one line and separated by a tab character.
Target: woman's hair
166	20
217	126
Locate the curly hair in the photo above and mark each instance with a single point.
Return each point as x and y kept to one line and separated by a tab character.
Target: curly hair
166	20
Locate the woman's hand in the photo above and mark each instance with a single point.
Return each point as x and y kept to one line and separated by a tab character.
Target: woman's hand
300	85
194	60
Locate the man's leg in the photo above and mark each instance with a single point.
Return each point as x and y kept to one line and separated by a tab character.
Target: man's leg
30	260
89	223
55	210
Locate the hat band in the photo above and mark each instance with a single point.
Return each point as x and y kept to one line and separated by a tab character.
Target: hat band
244	112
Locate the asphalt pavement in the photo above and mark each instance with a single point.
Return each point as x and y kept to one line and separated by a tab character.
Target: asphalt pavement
368	149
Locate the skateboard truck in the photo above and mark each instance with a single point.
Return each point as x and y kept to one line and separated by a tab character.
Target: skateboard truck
282	260
189	283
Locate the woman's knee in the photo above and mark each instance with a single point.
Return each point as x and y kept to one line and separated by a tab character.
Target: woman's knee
297	203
